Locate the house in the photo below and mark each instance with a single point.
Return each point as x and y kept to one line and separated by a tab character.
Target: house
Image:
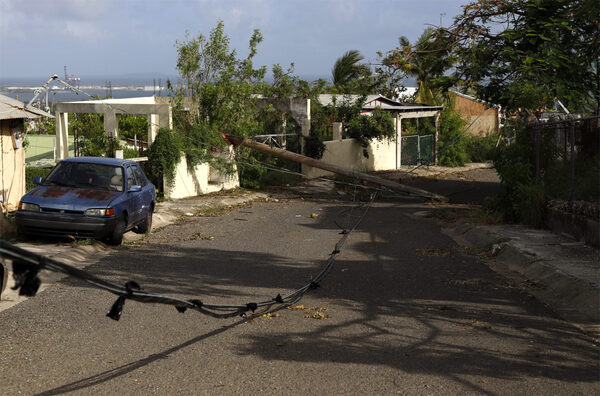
382	154
12	154
203	179
484	116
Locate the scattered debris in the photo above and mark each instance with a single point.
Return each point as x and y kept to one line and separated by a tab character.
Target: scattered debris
270	315
474	323
433	252
198	236
311	312
440	308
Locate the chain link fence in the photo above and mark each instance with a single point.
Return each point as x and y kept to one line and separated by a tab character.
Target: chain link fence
566	157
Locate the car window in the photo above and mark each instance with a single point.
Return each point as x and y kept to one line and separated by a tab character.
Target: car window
130	178
141	179
86	175
116	179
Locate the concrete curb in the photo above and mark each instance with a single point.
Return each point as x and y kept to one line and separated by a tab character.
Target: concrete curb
570	294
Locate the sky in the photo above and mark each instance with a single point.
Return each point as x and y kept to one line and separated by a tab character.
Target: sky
137	37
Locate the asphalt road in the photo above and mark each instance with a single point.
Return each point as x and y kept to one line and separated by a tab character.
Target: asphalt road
403	311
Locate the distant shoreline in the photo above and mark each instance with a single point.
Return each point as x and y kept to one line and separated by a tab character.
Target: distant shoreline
19	89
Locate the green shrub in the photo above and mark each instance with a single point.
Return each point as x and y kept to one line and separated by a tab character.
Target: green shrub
451	144
524	198
163	155
313	146
30	173
480	148
251	175
130	152
277	178
379	125
529	203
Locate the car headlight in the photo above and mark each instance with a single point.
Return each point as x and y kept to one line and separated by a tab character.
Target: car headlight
29	207
100	212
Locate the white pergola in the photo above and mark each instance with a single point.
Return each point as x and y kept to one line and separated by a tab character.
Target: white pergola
413	111
159	116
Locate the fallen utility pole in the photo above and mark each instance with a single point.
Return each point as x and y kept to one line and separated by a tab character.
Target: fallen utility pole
398	187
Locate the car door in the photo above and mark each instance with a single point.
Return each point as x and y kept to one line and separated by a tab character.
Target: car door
134	198
147	189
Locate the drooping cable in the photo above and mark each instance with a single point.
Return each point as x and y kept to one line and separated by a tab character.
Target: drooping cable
26	267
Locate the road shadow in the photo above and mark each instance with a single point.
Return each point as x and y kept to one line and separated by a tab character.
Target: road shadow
127	368
401	295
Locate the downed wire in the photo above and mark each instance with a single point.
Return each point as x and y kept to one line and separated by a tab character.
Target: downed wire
26	267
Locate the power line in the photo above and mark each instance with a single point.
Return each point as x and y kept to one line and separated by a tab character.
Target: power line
27	265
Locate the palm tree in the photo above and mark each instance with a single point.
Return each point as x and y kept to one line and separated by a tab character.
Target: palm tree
346	68
427	60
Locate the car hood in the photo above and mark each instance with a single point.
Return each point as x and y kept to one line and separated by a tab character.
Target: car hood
70	198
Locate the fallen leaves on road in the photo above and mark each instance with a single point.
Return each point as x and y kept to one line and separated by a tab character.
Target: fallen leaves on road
317	315
440	308
198	236
298	308
270	315
475	324
311	312
432	252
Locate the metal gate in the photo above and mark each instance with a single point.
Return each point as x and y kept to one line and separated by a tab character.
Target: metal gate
416	150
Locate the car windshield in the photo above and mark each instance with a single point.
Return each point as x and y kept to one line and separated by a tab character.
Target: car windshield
82	174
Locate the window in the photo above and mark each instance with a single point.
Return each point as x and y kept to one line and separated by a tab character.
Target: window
139	175
130	178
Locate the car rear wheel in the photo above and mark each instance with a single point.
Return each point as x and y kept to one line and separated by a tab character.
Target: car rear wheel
116	238
145	226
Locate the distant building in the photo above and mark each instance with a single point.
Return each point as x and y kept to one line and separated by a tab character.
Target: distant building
485	116
12	154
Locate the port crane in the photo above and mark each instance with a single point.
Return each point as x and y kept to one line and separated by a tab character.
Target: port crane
46	87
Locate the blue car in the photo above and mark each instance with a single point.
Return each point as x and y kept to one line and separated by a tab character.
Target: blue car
89	197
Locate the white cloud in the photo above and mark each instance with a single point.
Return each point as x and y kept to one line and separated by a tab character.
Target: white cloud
85	31
238	13
343	10
47	18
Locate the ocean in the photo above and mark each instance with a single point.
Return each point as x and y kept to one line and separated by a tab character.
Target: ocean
23	89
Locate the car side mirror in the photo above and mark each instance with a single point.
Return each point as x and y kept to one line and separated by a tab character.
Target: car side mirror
135	188
37	180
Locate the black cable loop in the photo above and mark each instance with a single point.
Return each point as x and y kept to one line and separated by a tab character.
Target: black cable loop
131	290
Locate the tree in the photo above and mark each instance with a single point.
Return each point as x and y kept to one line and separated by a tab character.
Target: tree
524	54
131	126
91	138
220	88
351	77
428	60
346	68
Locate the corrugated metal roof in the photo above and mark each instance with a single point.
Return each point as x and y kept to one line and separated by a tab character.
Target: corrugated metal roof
406	108
474	99
11	108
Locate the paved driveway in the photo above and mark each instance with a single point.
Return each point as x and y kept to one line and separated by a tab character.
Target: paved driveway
403	311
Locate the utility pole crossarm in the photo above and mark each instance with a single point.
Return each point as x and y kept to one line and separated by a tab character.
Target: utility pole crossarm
398	187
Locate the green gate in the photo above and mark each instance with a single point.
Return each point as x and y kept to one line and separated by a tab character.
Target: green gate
417	150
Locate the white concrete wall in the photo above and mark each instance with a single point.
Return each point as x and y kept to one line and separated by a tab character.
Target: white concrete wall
203	180
12	166
348	153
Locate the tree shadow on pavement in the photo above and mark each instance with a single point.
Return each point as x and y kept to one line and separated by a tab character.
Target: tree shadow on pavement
401	296
127	368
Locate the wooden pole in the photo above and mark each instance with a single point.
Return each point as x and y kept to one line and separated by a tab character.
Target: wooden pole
236	141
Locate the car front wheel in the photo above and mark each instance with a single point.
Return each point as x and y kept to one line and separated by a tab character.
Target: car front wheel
116	238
